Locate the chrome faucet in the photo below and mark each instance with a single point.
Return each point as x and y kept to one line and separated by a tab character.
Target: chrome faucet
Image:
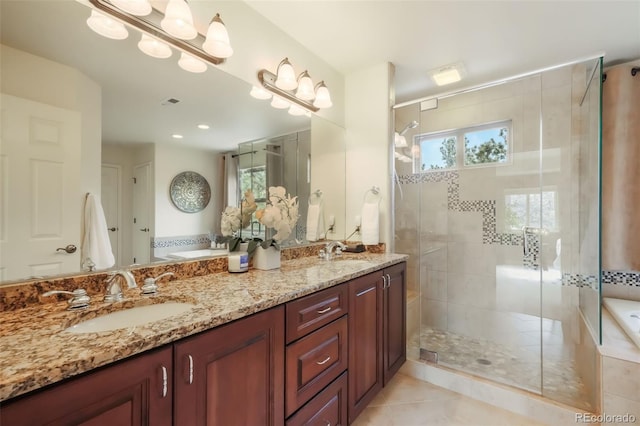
150	286
78	301
114	290
327	252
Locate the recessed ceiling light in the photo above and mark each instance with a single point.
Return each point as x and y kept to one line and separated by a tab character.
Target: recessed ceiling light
203	126
177	136
447	74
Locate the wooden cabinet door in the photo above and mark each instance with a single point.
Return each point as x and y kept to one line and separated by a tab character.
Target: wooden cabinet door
133	392
365	341
232	375
395	323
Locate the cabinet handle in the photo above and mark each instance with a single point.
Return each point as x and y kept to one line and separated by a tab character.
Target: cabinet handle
164	381
190	369
324	310
324	362
388	280
384	282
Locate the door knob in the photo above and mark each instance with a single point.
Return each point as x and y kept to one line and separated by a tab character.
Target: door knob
113	229
144	229
69	249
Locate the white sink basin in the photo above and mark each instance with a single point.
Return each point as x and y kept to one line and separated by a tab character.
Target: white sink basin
130	317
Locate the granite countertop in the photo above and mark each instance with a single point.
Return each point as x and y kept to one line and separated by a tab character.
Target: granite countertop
35	351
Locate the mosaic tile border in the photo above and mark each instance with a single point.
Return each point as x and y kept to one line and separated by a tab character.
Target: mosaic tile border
624	278
181	241
490	234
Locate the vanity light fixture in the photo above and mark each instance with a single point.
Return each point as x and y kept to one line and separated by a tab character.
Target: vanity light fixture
286	76
178	20
174	28
217	41
259	93
106	26
279	103
191	63
284	83
154	47
134	7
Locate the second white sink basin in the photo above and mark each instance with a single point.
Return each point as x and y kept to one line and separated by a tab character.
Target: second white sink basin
131	317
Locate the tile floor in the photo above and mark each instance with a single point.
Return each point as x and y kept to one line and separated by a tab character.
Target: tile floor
407	401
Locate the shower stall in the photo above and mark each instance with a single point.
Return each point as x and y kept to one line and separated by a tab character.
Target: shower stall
497	204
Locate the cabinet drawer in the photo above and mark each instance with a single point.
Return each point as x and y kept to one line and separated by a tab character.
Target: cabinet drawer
329	407
313	362
309	313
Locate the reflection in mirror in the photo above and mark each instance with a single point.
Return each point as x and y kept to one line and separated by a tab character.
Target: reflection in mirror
98	117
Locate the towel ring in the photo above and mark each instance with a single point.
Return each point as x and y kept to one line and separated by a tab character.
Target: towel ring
315	198
372	195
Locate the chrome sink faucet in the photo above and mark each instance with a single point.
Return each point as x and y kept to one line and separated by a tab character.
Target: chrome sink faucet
150	286
327	252
114	290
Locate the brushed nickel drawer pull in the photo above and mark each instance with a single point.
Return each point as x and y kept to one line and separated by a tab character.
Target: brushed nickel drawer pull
324	310
164	381
324	362
190	369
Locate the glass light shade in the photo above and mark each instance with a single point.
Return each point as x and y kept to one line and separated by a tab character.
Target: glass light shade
107	27
323	98
286	79
305	87
154	47
280	103
217	41
191	63
178	20
296	110
259	93
133	7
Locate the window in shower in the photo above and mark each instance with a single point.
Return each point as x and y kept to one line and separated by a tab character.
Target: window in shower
486	144
530	207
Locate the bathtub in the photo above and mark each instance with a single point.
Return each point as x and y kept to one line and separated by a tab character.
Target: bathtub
627	314
193	254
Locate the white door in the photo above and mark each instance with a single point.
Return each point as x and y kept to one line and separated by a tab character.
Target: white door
141	217
110	198
40	189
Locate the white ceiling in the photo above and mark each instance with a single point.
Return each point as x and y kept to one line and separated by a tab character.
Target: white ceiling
494	39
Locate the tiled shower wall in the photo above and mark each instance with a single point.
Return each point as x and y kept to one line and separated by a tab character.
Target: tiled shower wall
471	272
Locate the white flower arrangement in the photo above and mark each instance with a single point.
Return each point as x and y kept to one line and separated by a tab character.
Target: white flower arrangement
280	214
234	219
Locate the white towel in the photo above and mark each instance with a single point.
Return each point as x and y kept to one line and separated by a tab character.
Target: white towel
315	222
370	225
95	243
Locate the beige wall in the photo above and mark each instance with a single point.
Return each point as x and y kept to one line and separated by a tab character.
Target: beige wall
368	105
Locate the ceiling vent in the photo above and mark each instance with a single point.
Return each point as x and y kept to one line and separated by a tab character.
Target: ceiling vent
169	101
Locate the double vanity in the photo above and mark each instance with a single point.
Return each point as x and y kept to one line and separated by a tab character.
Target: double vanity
309	343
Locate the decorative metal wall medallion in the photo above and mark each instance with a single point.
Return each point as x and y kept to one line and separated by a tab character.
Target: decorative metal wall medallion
190	192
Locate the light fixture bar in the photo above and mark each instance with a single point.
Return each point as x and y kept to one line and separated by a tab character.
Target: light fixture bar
268	81
150	24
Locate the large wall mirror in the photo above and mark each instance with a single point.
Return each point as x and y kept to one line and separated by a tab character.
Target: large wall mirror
82	114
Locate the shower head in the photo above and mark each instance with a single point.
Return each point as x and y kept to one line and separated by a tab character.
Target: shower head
411	125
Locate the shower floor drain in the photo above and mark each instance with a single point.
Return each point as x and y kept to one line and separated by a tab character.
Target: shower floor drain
483	361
